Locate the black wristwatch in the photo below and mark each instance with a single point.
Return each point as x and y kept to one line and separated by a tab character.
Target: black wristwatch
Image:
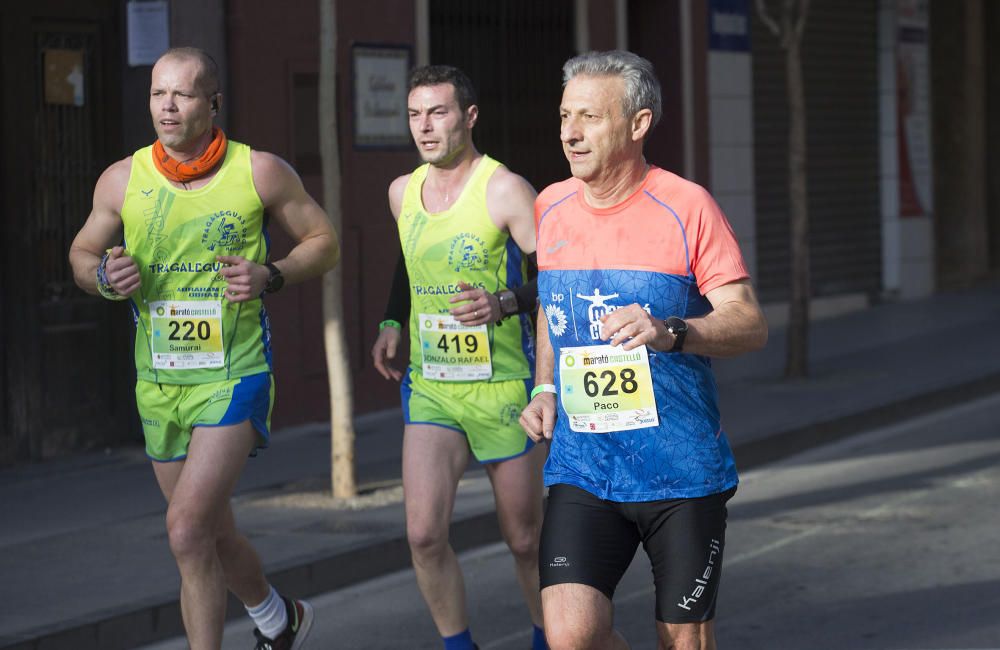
275	281
508	303
679	329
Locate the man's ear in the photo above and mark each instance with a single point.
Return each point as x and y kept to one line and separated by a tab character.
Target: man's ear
471	115
641	123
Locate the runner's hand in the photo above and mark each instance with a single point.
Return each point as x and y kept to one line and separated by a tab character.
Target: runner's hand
384	351
122	272
539	417
632	326
481	307
245	280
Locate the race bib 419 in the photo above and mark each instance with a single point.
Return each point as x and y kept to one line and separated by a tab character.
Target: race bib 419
451	351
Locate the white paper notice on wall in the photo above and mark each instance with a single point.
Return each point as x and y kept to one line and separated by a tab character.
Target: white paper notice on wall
380	117
148	31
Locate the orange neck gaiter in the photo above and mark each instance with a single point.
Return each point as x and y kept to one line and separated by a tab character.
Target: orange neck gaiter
182	172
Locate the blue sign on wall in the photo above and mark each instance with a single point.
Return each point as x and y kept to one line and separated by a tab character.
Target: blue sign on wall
729	25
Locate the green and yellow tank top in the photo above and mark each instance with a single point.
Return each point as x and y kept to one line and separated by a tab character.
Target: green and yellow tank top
186	331
461	244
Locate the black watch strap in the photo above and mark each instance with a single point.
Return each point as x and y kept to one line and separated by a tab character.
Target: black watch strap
276	280
679	328
508	302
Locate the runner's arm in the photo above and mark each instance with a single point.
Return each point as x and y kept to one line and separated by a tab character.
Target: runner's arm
317	248
104	229
736	324
510	201
398	307
518	214
527	293
539	416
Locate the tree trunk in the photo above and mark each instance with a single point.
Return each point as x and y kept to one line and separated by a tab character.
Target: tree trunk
788	29
797	359
342	480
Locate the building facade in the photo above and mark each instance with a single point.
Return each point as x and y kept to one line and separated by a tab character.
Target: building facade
901	99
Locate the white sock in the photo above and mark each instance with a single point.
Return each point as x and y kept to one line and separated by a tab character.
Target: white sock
270	616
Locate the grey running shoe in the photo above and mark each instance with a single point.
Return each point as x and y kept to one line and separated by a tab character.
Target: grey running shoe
300	620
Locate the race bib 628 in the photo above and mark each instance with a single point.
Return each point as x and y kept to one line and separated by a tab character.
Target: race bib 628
605	388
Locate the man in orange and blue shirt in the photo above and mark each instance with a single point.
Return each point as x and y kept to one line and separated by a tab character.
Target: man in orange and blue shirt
640	282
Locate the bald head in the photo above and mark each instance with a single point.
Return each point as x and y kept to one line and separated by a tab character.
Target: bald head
208	70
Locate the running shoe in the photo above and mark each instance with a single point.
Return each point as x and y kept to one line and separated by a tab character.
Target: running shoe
300	619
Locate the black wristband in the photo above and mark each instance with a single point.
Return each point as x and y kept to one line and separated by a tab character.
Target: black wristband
398	306
527	293
527	296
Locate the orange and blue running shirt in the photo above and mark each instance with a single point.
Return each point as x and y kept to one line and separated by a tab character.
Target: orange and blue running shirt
663	248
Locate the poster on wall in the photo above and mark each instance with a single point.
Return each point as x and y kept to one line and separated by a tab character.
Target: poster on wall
148	31
64	77
380	118
913	124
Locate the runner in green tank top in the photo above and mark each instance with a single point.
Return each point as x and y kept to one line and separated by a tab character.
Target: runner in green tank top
174	236
177	229
466	225
461	243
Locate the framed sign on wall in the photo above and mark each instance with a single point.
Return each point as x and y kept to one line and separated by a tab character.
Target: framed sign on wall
380	118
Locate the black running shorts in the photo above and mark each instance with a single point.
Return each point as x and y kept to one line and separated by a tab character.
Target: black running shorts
587	540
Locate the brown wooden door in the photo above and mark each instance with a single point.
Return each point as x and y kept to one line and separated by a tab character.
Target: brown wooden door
66	369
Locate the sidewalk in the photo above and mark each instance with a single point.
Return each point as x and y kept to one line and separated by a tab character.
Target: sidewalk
83	553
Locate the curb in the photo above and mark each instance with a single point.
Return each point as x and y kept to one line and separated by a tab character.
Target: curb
162	621
792	441
159	622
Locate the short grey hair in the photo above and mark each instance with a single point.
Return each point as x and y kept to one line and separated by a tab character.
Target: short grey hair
642	89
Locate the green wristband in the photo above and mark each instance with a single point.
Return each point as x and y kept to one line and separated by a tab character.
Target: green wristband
543	388
389	323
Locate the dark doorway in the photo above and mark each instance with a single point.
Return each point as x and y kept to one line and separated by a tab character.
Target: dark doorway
513	51
66	372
